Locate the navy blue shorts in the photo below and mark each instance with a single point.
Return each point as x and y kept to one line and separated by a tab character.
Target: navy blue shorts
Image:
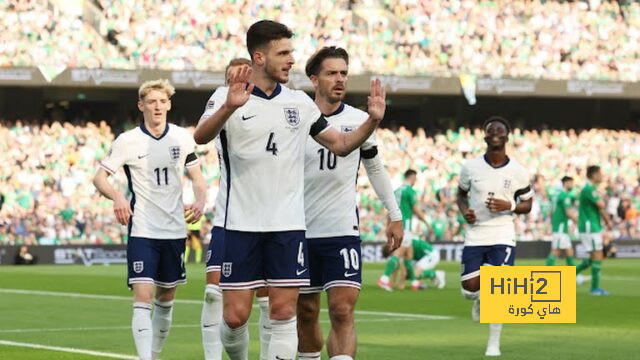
475	256
252	260
216	249
334	261
158	262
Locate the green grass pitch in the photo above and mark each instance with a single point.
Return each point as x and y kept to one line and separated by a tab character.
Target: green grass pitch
390	325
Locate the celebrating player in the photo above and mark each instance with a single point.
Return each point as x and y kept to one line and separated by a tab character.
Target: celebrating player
154	156
407	199
492	189
331	217
591	208
562	212
263	129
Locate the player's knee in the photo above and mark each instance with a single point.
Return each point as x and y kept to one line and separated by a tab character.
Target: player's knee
471	285
282	310
165	294
341	314
235	319
308	312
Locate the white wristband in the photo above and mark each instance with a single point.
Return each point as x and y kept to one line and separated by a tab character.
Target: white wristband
513	205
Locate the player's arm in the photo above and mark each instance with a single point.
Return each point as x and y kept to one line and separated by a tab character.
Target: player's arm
382	186
342	144
462	197
571	214
121	206
238	94
598	202
194	172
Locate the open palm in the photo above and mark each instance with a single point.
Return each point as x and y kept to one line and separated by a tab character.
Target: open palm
376	102
239	87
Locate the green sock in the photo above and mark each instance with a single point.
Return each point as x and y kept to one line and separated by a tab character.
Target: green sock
595	274
411	275
583	265
187	252
428	274
198	255
551	260
571	261
391	266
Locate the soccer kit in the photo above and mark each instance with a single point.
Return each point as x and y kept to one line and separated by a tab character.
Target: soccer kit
589	222
331	207
424	255
491	239
560	221
406	197
157	232
263	144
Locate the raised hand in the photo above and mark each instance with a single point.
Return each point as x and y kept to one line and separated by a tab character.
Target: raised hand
239	87
376	101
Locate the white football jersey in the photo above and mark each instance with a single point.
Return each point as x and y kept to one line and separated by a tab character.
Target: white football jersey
154	169
263	145
481	180
330	198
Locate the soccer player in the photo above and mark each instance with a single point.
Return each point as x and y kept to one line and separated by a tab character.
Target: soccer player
212	307
331	214
492	189
263	129
407	197
154	156
193	241
591	208
425	260
562	212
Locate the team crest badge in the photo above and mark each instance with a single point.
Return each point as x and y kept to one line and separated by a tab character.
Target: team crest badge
174	151
347	129
138	266
507	183
292	116
226	269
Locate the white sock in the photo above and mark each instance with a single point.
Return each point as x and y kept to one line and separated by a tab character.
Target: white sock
384	279
494	334
471	295
141	329
284	339
210	322
341	357
235	341
161	323
264	327
309	355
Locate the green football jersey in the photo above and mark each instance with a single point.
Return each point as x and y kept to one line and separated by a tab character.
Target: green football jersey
420	249
406	198
559	218
589	215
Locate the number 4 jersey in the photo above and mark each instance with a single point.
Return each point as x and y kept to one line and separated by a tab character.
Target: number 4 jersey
154	169
263	146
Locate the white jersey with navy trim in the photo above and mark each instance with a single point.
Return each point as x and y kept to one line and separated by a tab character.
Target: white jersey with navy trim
330	197
481	180
154	168
263	145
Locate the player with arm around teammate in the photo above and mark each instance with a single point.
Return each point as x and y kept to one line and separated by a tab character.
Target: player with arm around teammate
154	156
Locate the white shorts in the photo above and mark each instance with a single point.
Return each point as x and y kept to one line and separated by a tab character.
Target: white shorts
591	241
429	261
560	241
407	238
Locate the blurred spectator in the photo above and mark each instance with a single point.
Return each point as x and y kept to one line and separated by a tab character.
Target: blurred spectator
23	257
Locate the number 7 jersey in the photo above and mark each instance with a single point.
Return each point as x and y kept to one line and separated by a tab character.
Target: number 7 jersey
263	146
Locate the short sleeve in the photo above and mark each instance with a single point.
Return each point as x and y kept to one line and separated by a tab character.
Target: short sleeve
592	196
190	150
369	149
117	156
464	182
412	196
524	192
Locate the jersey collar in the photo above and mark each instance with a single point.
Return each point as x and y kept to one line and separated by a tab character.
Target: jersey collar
338	110
146	131
259	93
486	159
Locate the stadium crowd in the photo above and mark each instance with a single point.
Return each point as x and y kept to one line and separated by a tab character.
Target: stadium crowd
48	198
498	38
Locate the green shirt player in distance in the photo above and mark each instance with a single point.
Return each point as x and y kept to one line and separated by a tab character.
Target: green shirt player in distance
425	259
591	212
561	213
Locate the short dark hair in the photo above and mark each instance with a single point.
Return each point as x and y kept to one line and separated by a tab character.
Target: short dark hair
499	119
410	172
592	170
235	62
327	52
566	179
265	31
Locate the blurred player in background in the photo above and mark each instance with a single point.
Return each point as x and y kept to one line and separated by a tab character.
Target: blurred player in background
154	156
263	129
407	199
332	217
591	209
193	241
492	189
425	260
562	212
